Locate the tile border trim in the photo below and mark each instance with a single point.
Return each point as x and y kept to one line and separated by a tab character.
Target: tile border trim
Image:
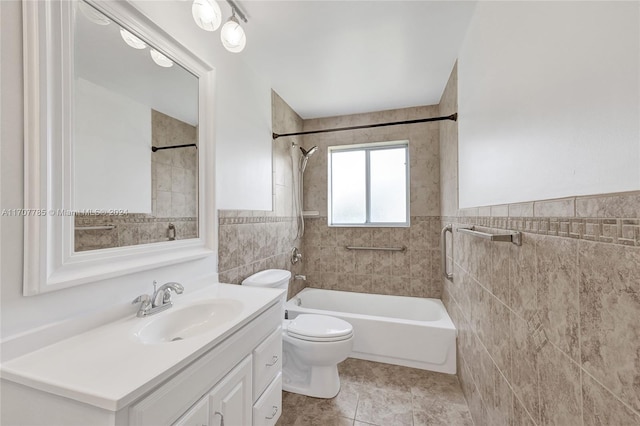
618	231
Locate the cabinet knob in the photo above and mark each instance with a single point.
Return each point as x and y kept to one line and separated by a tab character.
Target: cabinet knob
274	360
275	411
221	417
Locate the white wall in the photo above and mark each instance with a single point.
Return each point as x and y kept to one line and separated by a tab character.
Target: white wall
243	163
20	314
549	101
111	150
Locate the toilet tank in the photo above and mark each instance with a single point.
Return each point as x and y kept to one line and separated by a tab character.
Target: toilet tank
273	278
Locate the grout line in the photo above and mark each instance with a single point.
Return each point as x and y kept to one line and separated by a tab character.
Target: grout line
581	397
579	332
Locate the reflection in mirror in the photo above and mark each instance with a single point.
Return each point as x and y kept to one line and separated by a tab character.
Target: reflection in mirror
128	97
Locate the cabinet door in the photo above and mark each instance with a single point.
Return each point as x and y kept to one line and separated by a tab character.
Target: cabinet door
198	415
230	402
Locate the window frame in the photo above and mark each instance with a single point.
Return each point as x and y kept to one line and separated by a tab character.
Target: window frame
368	147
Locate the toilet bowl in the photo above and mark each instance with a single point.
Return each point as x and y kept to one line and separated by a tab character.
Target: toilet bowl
312	345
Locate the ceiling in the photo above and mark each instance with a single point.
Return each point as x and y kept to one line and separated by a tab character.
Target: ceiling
327	58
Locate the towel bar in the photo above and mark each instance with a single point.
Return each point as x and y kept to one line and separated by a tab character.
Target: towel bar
514	237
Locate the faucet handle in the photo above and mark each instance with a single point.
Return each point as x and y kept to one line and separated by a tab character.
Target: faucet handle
145	304
155	286
144	298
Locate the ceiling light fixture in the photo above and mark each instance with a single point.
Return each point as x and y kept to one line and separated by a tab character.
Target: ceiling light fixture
160	59
132	40
232	35
208	16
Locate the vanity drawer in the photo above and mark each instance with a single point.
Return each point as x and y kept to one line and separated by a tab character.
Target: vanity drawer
267	362
268	409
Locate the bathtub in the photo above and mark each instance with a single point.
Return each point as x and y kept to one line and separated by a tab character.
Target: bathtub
409	331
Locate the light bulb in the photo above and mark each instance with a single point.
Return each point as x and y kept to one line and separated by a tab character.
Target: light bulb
232	36
132	40
160	59
207	14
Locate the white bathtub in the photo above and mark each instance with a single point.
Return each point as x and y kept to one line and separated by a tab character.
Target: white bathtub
409	331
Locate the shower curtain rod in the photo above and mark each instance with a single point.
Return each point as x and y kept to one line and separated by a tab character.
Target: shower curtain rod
158	148
453	117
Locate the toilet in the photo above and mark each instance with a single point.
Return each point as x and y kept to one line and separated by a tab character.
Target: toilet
312	345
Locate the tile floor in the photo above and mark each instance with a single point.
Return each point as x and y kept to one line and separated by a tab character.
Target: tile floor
384	395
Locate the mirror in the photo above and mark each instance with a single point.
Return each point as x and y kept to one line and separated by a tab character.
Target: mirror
134	138
118	160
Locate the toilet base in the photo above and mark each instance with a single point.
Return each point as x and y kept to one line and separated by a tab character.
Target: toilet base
323	382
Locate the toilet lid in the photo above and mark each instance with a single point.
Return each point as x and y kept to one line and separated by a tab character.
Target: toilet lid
319	328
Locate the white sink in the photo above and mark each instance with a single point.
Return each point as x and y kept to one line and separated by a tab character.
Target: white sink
180	323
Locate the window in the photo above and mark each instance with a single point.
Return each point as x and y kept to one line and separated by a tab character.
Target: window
369	184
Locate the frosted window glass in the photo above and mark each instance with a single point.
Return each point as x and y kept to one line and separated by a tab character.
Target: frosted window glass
388	172
348	187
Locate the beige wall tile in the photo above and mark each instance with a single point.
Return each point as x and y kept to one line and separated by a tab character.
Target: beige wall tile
501	412
523	279
601	408
560	392
521	210
624	205
610	317
500	211
558	293
565	207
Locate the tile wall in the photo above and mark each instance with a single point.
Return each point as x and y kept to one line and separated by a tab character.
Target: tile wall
327	263
251	241
174	195
174	178
549	332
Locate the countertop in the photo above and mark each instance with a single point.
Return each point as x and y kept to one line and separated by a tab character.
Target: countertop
108	368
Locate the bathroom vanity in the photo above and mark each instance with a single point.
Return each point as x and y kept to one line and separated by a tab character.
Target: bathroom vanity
214	358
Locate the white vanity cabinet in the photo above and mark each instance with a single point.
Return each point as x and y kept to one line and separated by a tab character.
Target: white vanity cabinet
267	380
228	403
236	377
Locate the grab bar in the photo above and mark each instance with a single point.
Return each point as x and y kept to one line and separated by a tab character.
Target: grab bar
403	248
443	250
95	228
514	237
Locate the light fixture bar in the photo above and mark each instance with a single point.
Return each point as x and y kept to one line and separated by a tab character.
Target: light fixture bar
237	10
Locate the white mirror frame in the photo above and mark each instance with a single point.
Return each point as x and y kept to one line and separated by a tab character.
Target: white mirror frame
50	262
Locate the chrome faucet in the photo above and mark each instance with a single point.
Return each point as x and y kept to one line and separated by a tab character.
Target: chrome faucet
162	296
159	301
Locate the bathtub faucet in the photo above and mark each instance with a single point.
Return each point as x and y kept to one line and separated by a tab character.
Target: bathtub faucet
300	277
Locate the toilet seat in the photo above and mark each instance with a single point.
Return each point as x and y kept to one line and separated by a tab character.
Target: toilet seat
319	328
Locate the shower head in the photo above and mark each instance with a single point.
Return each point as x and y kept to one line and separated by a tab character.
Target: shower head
305	156
309	153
